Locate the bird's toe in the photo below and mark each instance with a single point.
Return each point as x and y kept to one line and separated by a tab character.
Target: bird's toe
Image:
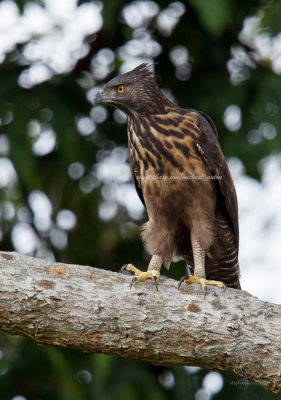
140	276
202	281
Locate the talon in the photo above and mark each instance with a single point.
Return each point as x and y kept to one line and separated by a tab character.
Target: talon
205	291
182	279
202	281
123	268
155	281
140	276
224	287
125	271
133	281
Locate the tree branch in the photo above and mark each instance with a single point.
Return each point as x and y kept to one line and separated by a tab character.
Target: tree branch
94	310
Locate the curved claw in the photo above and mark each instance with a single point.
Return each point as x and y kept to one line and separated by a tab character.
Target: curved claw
155	281
202	281
205	291
140	276
125	271
224	287
182	279
133	281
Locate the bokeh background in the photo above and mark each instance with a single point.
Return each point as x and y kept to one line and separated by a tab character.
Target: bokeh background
65	188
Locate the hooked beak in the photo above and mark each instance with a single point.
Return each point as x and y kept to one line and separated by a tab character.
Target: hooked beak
98	99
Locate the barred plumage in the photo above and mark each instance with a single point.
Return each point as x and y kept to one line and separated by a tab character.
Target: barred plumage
181	177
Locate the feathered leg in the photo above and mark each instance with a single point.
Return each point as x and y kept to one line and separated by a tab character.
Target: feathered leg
153	271
199	269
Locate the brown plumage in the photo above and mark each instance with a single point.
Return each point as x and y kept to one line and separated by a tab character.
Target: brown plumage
181	177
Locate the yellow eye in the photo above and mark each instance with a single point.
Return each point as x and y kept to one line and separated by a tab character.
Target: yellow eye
120	89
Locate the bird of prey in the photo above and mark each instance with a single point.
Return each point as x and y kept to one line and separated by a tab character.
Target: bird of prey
182	179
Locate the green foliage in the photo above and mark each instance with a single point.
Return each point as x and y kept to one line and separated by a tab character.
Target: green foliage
218	70
214	15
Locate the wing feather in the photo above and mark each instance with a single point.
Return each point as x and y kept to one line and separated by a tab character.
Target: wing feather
135	170
209	148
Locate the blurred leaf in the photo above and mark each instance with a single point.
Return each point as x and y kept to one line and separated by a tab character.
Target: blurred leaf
214	14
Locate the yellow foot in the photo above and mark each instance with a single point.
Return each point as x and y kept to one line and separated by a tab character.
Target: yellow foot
203	282
140	276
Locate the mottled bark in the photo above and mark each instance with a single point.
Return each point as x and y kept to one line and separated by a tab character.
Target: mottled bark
94	310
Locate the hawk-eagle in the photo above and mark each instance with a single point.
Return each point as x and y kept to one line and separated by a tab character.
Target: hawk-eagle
182	179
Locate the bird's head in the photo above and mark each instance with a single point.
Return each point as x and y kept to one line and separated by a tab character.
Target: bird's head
133	92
